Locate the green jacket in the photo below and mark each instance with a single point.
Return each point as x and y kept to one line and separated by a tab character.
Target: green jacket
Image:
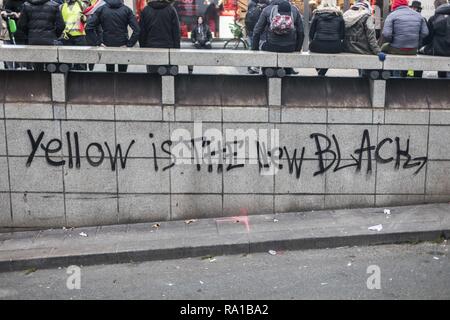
360	33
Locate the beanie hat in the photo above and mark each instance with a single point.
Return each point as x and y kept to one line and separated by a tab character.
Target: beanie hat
284	7
398	3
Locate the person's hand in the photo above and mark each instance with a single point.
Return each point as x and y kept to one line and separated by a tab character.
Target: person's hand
3	13
208	43
16	14
196	42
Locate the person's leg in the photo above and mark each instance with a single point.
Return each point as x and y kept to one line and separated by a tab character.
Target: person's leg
322	72
110	67
80	41
38	67
69	42
9	64
442	74
123	67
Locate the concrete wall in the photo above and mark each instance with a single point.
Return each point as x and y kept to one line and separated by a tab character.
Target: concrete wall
356	143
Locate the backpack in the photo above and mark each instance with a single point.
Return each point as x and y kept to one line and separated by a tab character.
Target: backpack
281	24
252	16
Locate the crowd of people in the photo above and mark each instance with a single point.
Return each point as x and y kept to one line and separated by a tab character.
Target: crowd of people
279	27
272	25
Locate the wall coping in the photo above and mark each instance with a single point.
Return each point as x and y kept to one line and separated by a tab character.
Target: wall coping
230	58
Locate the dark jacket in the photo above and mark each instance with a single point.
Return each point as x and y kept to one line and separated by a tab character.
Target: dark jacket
114	18
360	32
404	28
41	22
160	27
201	33
293	39
438	40
254	10
327	31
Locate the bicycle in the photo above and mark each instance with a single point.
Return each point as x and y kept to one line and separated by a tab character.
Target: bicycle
238	41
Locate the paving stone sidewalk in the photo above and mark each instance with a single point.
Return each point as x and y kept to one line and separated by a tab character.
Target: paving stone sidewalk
221	236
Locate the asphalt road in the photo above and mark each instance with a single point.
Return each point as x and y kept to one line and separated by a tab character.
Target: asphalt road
407	271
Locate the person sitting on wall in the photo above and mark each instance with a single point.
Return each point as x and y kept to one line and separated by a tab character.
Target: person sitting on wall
327	30
403	30
282	24
360	35
438	42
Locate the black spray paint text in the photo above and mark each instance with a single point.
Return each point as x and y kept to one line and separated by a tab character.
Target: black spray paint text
327	153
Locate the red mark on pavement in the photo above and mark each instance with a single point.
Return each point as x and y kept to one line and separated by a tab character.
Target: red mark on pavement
242	218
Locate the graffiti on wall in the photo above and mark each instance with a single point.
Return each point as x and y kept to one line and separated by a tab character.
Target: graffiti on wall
216	152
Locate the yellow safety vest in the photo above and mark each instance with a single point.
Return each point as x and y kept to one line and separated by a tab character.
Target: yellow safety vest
72	18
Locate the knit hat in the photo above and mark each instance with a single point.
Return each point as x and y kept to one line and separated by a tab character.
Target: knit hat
398	3
284	7
363	4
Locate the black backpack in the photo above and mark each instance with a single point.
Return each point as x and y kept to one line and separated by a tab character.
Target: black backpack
252	16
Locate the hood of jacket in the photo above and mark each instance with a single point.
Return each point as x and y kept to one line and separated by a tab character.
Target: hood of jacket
328	11
114	3
159	4
37	2
443	9
352	16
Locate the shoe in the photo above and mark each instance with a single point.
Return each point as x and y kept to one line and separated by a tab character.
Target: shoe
290	71
253	70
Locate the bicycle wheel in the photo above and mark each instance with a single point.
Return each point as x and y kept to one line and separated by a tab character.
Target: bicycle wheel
230	44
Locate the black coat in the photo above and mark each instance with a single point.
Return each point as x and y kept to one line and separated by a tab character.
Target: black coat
160	27
41	22
327	32
203	34
114	18
438	40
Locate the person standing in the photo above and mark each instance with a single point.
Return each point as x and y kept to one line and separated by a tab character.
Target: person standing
212	14
114	18
327	31
91	8
11	10
438	41
42	23
255	8
74	33
160	27
159	24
